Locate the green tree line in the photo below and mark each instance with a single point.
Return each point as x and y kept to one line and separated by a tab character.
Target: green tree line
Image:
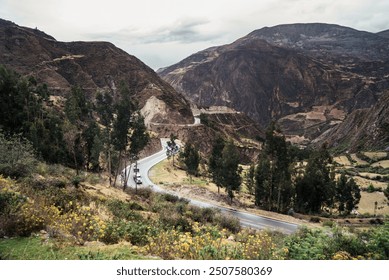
281	181
93	136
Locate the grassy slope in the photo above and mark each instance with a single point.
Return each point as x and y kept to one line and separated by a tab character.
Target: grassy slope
34	248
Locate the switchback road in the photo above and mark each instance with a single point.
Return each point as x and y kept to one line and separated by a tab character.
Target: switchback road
246	219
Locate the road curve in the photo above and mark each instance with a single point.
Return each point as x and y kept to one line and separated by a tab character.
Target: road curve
246	219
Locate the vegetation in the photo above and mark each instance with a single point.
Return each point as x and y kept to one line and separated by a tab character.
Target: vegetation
347	194
224	166
315	189
44	222
273	190
26	111
215	162
191	158
17	156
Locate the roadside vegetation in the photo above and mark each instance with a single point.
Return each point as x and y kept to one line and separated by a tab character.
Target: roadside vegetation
41	220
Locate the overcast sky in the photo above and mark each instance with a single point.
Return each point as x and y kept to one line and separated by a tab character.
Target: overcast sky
162	32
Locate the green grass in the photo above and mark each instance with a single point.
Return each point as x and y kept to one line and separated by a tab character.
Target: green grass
198	181
32	248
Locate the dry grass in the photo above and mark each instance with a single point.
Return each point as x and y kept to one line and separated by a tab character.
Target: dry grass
358	160
342	160
376	155
103	190
364	183
382	163
367	203
369	175
164	173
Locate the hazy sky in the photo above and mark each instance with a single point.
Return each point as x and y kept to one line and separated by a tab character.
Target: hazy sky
162	32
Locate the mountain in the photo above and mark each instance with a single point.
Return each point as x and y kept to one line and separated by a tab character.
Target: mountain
362	129
308	77
384	33
325	41
94	66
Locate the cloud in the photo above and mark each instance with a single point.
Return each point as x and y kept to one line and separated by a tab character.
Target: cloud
157	31
182	31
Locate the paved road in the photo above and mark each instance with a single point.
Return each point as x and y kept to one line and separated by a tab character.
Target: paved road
246	219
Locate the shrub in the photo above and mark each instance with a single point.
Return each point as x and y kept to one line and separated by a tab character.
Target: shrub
17	156
146	193
329	224
76	181
228	222
170	197
315	220
203	215
172	219
124	210
138	233
371	189
10	205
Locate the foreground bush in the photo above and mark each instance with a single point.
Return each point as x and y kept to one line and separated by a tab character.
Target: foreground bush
208	243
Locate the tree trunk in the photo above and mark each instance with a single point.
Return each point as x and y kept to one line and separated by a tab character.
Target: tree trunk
125	178
117	169
109	167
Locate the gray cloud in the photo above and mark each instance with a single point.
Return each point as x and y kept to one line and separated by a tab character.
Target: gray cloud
184	31
161	33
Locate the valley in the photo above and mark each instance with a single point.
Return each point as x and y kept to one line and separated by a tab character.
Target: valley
276	143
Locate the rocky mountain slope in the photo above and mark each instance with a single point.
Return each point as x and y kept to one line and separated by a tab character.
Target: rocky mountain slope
384	33
308	77
94	66
362	129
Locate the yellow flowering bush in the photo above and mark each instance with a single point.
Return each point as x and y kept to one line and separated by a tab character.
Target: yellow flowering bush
257	246
84	224
341	255
21	215
207	242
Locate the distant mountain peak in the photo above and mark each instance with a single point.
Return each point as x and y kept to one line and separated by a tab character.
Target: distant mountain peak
323	39
308	77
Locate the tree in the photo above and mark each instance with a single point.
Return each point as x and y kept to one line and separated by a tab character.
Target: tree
347	194
77	107
215	162
105	111
139	136
72	140
316	188
191	159
93	145
138	139
172	147
230	177
263	183
121	126
250	179
105	108
274	189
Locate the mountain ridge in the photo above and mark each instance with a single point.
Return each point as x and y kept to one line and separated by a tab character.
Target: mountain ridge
95	66
310	90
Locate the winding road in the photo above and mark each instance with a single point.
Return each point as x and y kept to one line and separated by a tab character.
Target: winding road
246	219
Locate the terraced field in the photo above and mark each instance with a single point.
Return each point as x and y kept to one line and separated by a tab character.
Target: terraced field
370	171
